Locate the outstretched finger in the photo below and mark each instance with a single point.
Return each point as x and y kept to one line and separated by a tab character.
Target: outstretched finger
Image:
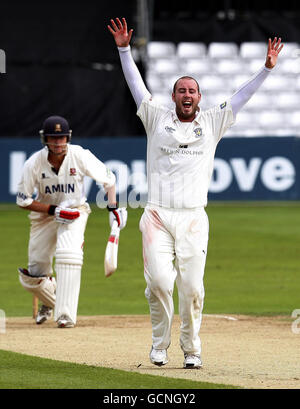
114	25
278	44
130	34
274	42
269	45
119	24
279	49
124	24
110	29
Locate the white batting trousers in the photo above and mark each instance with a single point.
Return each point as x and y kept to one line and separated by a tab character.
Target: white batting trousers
49	239
68	264
174	248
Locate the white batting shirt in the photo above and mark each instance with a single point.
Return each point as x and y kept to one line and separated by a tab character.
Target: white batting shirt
180	154
68	185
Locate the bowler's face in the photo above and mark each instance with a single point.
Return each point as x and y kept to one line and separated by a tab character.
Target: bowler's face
186	98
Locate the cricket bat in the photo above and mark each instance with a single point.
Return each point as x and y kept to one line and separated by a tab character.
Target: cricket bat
111	251
35	306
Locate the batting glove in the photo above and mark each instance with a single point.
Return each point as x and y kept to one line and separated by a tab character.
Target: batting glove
120	215
64	214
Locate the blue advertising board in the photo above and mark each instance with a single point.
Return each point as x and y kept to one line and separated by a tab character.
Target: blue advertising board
244	168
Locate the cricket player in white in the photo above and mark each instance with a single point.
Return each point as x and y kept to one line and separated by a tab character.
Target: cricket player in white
180	153
58	217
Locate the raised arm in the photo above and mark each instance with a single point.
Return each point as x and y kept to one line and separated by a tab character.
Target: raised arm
245	92
132	75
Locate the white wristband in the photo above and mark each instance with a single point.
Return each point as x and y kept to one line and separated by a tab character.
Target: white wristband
123	49
267	69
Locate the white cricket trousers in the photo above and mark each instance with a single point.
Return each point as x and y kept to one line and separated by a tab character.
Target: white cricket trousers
174	248
49	239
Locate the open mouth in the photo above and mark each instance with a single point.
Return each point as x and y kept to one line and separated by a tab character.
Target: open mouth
187	104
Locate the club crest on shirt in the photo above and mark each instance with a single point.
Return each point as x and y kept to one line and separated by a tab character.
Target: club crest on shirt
198	132
72	172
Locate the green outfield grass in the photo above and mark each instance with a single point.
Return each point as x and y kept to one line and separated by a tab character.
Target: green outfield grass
27	372
252	264
252	268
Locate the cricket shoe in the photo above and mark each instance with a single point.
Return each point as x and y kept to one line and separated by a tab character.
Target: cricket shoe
192	361
158	357
65	322
44	314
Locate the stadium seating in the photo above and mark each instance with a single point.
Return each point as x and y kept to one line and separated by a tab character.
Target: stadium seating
221	68
290	65
258	102
290	50
230	66
157	49
295	119
222	50
196	67
287	100
191	50
253	50
164	66
213	82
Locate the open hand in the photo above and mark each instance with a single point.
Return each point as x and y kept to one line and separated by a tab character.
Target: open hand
119	31
274	48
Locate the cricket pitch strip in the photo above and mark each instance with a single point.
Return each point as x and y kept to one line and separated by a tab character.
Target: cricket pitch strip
246	351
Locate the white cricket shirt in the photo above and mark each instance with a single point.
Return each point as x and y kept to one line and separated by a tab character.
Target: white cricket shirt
68	185
180	156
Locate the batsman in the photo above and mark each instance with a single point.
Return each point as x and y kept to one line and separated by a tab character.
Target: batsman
52	189
181	144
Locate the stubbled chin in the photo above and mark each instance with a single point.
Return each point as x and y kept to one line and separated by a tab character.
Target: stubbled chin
186	114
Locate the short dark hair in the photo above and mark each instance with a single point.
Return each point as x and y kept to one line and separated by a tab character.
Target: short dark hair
183	78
